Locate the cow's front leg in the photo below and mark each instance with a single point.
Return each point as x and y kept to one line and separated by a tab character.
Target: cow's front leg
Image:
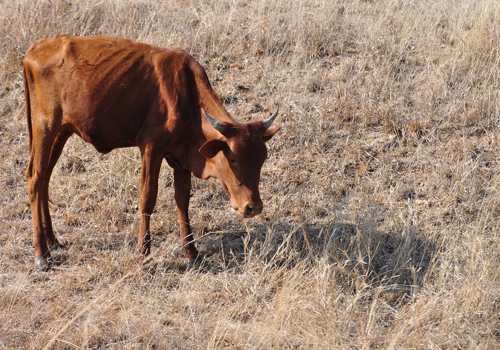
151	164
182	182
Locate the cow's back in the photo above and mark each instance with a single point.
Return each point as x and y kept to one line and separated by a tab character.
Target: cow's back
105	87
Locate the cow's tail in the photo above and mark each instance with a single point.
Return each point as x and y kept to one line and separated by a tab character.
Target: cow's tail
29	168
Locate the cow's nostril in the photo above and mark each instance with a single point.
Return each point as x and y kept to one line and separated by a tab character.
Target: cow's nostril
252	209
249	209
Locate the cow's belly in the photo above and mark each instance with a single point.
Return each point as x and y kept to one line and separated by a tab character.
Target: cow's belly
106	134
111	120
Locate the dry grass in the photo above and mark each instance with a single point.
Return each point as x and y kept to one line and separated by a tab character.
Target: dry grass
382	192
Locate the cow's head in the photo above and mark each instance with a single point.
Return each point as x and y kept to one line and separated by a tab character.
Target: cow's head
236	158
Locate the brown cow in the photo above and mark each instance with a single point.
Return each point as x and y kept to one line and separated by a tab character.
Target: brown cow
118	93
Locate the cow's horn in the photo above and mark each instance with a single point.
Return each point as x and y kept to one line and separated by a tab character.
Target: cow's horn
266	123
215	123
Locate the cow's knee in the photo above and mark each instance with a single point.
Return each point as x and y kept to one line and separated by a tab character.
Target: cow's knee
33	185
36	181
29	168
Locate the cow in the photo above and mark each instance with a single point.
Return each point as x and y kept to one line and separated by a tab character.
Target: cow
114	93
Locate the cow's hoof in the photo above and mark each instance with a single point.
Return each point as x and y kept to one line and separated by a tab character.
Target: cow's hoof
194	261
191	254
41	264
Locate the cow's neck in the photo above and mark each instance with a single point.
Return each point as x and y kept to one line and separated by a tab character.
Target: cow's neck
197	129
184	152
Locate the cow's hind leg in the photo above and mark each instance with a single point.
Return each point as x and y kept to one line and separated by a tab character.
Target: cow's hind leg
43	139
55	153
151	164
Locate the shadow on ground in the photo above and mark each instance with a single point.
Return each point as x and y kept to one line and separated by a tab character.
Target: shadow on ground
358	254
398	260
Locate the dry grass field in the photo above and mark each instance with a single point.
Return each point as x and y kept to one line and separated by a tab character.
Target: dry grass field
381	193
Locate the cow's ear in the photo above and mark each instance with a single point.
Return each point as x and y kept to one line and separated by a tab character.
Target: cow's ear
270	132
210	148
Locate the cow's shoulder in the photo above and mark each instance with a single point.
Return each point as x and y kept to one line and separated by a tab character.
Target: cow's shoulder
171	60
173	70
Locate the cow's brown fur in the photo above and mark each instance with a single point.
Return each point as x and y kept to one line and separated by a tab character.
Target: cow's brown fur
118	93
